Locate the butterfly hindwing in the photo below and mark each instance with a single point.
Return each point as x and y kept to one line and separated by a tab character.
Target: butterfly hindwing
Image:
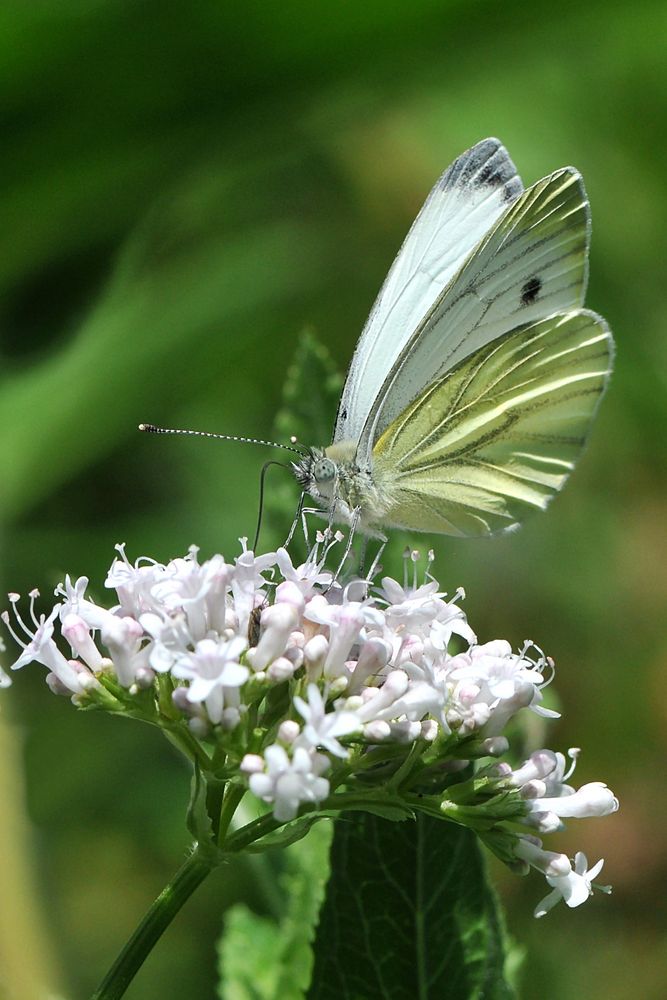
497	437
463	205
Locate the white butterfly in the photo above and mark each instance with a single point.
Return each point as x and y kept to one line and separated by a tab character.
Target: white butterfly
478	373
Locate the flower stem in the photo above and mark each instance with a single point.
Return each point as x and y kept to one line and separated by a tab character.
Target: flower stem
233	796
190	875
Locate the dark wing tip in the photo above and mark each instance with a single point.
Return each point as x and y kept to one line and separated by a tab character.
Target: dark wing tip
485	165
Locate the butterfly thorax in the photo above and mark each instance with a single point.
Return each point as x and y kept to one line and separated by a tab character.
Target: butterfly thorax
333	477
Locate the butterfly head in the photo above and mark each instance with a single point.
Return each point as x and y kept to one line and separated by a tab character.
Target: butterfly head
316	473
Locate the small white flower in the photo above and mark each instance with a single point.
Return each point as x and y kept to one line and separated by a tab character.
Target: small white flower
503	682
75	630
123	637
407	647
314	654
307	577
195	591
345	623
494	746
377	731
571	883
548	862
252	763
397	596
451	620
247	585
411	611
214	674
574	888
380	704
287	783
120	633
422	610
42	649
592	799
280	670
133	584
289	593
277	622
373	658
538	766
322	727
288	730
542	783
76	603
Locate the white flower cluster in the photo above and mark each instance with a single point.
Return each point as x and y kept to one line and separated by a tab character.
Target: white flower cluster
359	673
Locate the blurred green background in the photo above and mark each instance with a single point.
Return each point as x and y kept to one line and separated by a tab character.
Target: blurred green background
185	187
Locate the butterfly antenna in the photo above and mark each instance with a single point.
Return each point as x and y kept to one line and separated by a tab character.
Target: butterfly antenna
153	429
260	511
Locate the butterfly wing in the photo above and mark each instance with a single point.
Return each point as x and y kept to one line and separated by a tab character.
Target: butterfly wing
533	262
498	436
464	203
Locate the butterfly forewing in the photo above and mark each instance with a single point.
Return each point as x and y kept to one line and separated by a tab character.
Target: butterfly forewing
464	204
533	262
497	437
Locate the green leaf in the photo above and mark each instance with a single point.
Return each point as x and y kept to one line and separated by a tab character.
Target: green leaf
385	810
409	915
198	820
287	835
310	394
202	818
247	942
264	959
310	397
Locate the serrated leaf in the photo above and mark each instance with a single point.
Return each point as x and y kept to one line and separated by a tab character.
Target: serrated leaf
310	397
310	394
263	959
408	914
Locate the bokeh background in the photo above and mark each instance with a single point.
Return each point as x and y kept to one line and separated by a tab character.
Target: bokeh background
185	188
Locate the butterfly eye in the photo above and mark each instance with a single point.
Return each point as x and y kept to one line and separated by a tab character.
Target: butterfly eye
324	470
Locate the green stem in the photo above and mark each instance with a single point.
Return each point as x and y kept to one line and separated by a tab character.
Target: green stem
233	796
414	753
190	875
184	741
248	834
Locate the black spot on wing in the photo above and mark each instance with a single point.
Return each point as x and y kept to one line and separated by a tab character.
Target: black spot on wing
530	290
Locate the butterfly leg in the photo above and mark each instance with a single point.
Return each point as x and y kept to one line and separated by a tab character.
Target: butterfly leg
305	511
297	518
354	522
301	516
376	561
